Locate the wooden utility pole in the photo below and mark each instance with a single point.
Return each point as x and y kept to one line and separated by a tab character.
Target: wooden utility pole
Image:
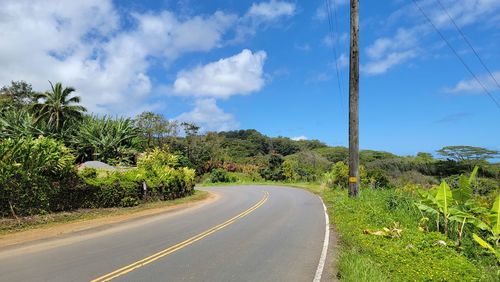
354	102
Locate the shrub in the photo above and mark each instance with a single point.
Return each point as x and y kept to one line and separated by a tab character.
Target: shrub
220	176
305	166
412	177
88	172
337	176
159	169
30	173
273	170
334	154
485	186
378	178
110	190
105	139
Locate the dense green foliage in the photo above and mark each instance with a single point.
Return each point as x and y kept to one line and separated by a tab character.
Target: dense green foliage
105	139
39	175
368	255
446	232
32	172
45	135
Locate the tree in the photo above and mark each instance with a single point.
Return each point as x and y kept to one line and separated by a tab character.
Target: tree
284	146
156	126
146	122
467	153
57	107
424	157
17	95
190	129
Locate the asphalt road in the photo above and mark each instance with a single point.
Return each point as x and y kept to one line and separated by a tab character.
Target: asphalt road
250	233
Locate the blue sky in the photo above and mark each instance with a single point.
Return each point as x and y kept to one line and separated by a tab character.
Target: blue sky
268	65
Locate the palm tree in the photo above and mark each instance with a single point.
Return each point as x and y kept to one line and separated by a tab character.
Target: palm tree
57	107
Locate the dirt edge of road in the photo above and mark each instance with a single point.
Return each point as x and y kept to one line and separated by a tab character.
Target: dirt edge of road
49	232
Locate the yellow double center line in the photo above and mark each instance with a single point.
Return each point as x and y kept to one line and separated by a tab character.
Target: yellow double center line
166	252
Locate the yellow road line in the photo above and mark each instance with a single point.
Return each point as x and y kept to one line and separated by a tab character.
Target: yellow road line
169	250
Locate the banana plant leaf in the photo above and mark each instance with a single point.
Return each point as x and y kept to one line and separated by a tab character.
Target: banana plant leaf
495	218
427	209
444	198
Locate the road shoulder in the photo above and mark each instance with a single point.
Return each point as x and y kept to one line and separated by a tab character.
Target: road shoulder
63	229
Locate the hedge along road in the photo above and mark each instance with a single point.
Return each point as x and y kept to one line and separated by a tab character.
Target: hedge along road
250	233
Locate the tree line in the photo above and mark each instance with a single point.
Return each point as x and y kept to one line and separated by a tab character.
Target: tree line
232	156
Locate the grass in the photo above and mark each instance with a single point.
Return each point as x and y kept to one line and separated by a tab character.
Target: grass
415	256
9	225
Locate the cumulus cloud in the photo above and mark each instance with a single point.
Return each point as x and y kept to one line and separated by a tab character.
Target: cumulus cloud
271	10
471	86
82	44
239	74
299	138
388	52
209	116
87	45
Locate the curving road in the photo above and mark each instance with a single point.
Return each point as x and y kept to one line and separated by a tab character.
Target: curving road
249	233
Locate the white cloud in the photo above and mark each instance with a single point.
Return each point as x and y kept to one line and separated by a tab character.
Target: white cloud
386	52
471	86
343	61
82	44
322	10
239	74
271	10
299	138
261	16
390	60
209	116
464	12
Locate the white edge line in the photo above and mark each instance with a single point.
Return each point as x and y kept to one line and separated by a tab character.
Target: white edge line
322	259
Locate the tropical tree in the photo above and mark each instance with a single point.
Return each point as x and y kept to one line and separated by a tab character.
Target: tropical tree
467	153
156	127
106	139
16	96
56	107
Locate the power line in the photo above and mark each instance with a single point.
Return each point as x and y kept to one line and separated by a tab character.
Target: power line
468	42
456	54
332	33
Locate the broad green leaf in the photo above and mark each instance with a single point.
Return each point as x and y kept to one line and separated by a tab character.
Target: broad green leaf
458	215
496	216
464	191
478	223
443	197
426	208
473	174
482	242
486	245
